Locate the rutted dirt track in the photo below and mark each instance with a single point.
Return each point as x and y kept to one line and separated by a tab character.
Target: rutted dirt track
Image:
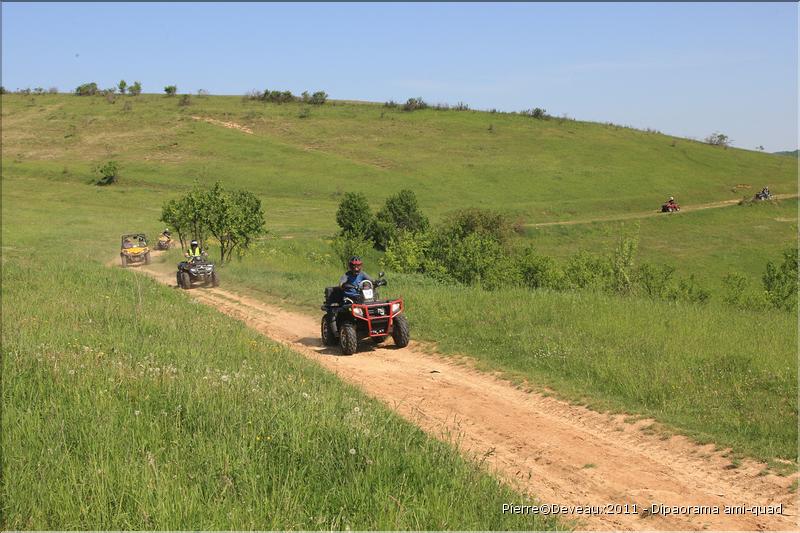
561	453
654	213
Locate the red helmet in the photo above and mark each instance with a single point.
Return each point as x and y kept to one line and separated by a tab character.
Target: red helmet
355	263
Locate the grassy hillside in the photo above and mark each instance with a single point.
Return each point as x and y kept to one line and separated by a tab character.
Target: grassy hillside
707	371
126	405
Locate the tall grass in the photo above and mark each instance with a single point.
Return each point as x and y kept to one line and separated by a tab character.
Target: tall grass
714	372
128	406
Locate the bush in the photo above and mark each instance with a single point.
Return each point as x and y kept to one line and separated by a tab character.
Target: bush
135	89
304	113
407	252
390	104
122	85
2	90
780	281
536	112
87	89
319	98
539	271
412	104
464	222
586	271
354	216
347	245
52	90
107	172
654	281
185	100
690	291
171	90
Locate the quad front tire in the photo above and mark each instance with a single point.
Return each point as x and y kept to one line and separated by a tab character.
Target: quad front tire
348	338
400	331
124	261
214	280
147	258
183	280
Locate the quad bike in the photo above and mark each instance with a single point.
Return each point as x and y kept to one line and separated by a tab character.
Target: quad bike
348	320
196	269
670	208
134	249
763	195
164	242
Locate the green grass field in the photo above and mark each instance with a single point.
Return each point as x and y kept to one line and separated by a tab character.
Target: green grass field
126	405
713	372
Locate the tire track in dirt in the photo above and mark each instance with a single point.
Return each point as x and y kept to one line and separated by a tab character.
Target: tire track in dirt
647	214
562	453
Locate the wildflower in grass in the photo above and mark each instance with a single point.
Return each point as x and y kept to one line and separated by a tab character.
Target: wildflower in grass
305	395
137	412
352	451
357	410
71	372
225	378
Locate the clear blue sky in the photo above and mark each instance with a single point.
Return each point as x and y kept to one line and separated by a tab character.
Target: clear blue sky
686	69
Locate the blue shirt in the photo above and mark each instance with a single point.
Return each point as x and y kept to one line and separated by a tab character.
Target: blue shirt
353	279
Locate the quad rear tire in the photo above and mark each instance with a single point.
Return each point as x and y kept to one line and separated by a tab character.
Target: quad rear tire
179	280
147	258
348	338
184	282
400	331
328	339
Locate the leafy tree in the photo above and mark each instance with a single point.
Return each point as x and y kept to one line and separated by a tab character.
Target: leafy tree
123	85
399	213
171	90
235	218
107	172
718	139
354	215
87	89
172	215
2	90
135	89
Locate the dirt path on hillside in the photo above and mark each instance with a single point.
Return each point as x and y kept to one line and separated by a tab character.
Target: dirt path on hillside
563	454
654	213
229	125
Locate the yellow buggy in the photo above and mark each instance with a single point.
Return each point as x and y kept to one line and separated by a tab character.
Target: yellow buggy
134	249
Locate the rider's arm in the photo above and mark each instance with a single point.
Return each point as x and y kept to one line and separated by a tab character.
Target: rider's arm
343	281
366	276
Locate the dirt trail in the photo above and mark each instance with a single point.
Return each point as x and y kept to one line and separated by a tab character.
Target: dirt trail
230	125
563	454
654	213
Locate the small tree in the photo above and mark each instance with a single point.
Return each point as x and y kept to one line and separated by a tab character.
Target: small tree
107	172
354	215
399	213
173	216
718	139
235	218
319	98
87	89
122	85
135	89
170	90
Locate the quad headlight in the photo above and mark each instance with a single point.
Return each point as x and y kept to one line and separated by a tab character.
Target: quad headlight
358	311
395	308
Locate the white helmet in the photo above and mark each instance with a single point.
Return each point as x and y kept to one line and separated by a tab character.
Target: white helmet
671	199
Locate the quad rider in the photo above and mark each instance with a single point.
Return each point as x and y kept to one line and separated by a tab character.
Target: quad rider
764	194
351	279
194	250
348	288
671	201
